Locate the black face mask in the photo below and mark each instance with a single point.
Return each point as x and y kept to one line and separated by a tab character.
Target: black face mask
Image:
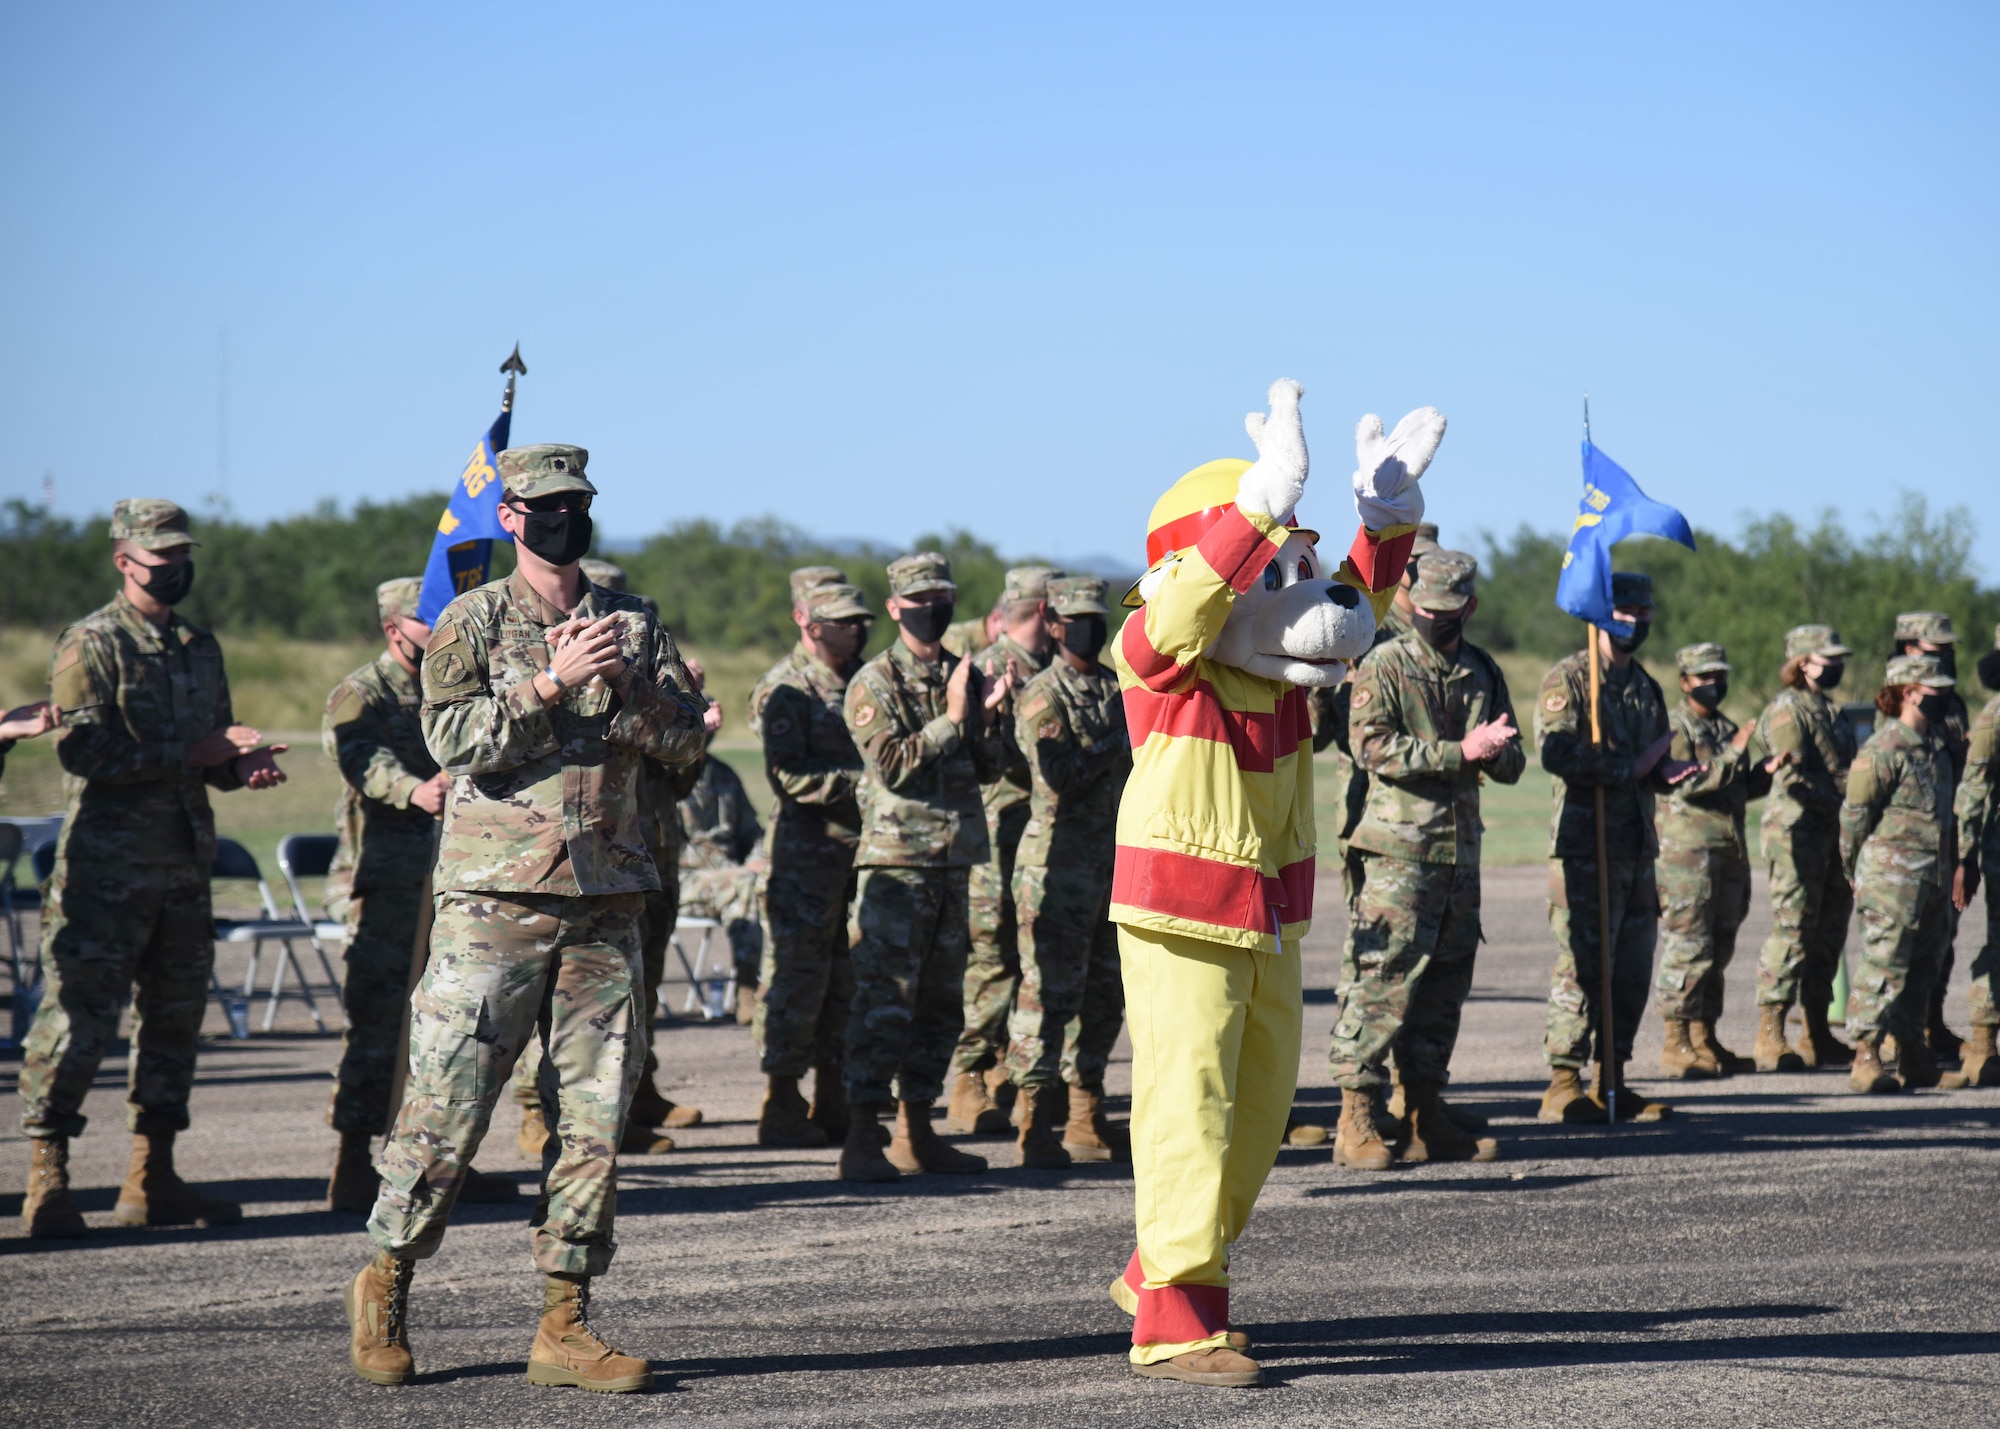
1084	635
1626	644
1710	695
170	584
558	537
1439	630
1947	659
1934	707
1829	678
1989	669
927	623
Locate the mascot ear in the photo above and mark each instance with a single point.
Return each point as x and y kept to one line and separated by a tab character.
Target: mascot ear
1277	479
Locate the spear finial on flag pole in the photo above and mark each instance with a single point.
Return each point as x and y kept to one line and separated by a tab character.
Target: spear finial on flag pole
514	365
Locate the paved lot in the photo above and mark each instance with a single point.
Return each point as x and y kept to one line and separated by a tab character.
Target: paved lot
1780	1253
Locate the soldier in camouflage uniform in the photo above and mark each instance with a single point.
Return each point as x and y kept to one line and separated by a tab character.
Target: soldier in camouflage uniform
1704	865
806	983
967	638
1930	632
1631	766
926	732
1897	849
1810	900
148	732
993	970
1070	725
1977	808
544	697
1430	720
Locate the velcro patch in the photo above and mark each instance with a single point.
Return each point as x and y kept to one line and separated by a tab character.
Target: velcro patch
1049	728
1556	702
346	705
1361	698
864	715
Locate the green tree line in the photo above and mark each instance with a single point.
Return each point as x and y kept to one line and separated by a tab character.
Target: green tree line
313	577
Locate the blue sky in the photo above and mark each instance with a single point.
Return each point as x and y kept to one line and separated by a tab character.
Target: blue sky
881	269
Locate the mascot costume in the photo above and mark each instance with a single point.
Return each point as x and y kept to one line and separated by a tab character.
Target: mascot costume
1214	882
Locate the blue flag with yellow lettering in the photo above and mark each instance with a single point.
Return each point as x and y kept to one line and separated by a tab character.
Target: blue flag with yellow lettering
1613	507
462	554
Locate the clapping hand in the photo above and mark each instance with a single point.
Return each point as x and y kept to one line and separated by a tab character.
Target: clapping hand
259	769
1483	741
586	650
29	720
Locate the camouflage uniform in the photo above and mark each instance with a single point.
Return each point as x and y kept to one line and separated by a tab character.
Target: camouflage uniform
1897	845
1633	713
1704	864
993	969
722	833
1071	1001
966	638
798	710
373	731
1978	814
922	828
1413	860
1810	899
541	878
126	912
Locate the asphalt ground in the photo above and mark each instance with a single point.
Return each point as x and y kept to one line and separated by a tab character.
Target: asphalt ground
1778	1253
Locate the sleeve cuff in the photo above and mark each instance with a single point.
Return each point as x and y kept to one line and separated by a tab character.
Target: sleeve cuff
942	735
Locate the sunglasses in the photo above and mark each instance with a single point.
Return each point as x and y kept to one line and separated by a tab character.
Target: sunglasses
576	501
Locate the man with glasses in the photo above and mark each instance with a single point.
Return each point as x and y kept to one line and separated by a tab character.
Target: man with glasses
544	696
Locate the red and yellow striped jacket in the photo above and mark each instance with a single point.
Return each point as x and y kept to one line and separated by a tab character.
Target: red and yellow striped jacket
1215	831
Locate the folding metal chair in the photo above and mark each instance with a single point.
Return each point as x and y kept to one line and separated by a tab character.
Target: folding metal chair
710	996
25	992
310	856
232	860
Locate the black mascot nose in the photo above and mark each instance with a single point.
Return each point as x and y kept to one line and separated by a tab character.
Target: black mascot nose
1344	596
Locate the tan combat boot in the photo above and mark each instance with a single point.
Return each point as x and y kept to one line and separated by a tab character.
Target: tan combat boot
649	1108
746	1005
1299	1132
1220	1367
1979	1063
354	1183
829	1104
1867	1075
533	1135
1632	1106
1728	1063
47	1212
971	1111
861	1157
916	1146
568	1352
1434	1136
155	1195
1090	1134
378	1309
1915	1065
1565	1100
785	1119
1040	1141
1770	1052
1357	1145
1817	1046
1680	1060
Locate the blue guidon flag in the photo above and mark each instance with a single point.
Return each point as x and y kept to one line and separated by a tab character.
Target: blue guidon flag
1613	507
462	554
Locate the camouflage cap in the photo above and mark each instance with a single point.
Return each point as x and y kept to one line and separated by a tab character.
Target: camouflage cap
1820	640
806	577
1707	658
1444	580
1919	667
1631	588
1028	583
544	470
151	523
919	572
1933	627
397	599
1426	539
603	573
836	600
1077	595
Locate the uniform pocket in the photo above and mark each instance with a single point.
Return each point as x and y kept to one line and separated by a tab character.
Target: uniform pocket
453	1051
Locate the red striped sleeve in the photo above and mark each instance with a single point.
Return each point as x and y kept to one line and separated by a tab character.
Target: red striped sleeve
1236	550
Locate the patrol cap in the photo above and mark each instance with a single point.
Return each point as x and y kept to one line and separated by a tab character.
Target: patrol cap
1820	640
919	573
152	523
806	577
603	573
836	600
1028	583
1933	627
397	599
1706	658
1919	667
1444	580
1631	588
1426	539
544	470
1077	595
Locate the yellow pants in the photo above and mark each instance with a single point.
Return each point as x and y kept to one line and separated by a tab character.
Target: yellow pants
1215	1059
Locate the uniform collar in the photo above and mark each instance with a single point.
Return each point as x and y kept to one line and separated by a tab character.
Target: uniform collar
817	670
395	676
541	611
156	637
1024	654
901	654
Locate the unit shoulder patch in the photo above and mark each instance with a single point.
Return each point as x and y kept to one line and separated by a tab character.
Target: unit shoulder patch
345	706
1049	728
1555	702
864	714
1361	698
